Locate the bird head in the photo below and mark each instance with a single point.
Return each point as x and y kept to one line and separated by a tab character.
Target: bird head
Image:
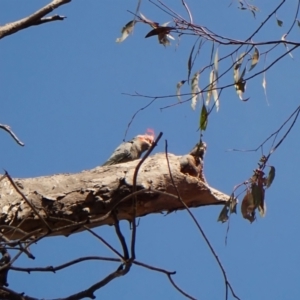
146	139
149	135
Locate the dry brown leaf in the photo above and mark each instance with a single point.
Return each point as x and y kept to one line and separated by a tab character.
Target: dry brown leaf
248	207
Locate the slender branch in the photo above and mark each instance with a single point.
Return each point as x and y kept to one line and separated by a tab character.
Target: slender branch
104	242
227	283
7	128
179	289
138	263
134	115
121	237
266	20
22	251
89	293
133	236
65	265
296	113
168	273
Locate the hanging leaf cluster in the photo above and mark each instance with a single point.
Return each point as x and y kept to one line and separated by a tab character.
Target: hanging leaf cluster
254	198
162	31
244	5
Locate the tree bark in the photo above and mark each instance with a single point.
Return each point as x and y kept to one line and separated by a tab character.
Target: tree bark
65	203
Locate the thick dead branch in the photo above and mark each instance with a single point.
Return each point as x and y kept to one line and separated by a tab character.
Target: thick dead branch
71	202
36	18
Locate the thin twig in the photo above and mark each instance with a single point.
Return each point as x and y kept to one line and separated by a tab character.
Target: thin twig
89	292
227	283
133	236
168	273
104	242
65	265
179	289
134	115
296	113
121	237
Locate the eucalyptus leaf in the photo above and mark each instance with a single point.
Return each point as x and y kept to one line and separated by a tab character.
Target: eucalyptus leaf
195	90
254	59
203	118
270	177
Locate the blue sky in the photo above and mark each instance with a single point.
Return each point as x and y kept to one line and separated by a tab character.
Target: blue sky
62	88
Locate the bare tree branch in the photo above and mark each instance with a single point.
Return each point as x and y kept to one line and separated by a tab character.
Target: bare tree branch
37	18
7	128
71	203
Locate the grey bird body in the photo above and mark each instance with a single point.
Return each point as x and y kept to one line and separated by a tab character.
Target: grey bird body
130	150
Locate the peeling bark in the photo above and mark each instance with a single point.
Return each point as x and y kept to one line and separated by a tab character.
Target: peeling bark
67	202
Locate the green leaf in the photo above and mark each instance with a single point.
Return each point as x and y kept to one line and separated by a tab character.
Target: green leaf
270	177
255	59
203	118
248	208
298	23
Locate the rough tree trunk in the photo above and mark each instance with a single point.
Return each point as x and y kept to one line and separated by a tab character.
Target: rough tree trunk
88	198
